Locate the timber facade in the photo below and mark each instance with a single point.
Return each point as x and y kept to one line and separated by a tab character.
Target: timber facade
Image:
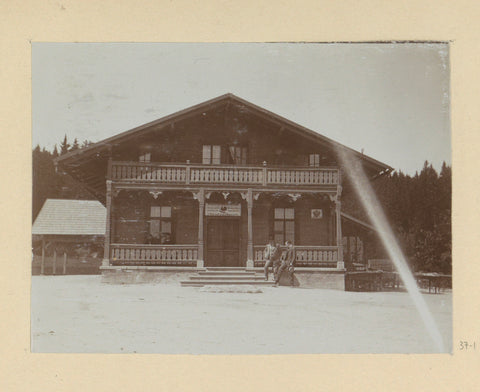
210	185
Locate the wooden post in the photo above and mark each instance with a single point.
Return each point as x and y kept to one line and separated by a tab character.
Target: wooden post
264	173
112	215
250	262
355	254
42	264
200	196
340	262
54	269
109	168
187	172
348	256
364	248
64	263
106	251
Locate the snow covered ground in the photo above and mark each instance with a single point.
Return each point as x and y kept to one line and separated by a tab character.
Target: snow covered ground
78	314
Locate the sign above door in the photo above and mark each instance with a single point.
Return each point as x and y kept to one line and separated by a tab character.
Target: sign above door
212	209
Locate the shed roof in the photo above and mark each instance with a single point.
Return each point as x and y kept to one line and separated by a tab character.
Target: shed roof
70	217
358	221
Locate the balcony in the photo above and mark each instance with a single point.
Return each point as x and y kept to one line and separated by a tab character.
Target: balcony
191	175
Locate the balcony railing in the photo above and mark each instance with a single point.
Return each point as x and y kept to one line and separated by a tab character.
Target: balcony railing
133	254
306	256
222	174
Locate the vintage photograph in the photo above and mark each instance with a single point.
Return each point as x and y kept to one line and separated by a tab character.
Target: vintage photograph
241	198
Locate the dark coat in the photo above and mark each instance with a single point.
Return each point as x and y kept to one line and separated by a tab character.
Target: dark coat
290	256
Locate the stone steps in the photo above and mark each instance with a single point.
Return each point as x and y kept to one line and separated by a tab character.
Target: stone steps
226	273
240	269
201	283
225	276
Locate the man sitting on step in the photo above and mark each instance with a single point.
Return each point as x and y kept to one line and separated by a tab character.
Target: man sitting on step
288	262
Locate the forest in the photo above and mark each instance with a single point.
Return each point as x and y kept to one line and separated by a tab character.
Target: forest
418	207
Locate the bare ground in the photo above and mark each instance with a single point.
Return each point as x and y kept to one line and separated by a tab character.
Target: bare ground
79	314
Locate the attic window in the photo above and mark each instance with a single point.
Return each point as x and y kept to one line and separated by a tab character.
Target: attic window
145	157
314	160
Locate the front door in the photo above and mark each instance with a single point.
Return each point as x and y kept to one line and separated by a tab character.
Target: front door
222	243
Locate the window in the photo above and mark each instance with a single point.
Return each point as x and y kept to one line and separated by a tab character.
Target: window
145	157
238	154
160	225
211	155
284	225
314	160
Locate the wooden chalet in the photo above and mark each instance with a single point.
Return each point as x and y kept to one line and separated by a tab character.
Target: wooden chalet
211	184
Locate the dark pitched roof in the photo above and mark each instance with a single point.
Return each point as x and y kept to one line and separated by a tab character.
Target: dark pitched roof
76	162
70	217
204	105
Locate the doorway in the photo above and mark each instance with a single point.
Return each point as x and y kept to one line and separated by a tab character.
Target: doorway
223	242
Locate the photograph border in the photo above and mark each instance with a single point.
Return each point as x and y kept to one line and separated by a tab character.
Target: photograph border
214	21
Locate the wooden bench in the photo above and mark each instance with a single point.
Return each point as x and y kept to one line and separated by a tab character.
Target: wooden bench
389	277
371	281
380	275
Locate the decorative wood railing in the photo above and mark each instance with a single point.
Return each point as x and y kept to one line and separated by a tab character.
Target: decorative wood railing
310	176
221	174
132	254
307	256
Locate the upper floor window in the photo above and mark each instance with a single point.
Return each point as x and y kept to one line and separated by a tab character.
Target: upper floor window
145	157
314	160
238	154
284	225
211	155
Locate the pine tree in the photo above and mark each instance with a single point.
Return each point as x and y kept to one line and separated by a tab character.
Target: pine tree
445	188
86	143
64	146
44	179
75	145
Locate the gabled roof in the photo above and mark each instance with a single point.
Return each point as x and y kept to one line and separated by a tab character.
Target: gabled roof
207	105
70	217
76	162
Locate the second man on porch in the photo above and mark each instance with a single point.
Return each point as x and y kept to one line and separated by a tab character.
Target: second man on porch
288	263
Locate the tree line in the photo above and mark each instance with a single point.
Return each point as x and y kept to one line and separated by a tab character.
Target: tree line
418	207
47	183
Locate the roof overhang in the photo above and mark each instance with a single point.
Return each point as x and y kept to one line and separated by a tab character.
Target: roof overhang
358	222
84	164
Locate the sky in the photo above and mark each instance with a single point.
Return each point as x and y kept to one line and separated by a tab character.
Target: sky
390	100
